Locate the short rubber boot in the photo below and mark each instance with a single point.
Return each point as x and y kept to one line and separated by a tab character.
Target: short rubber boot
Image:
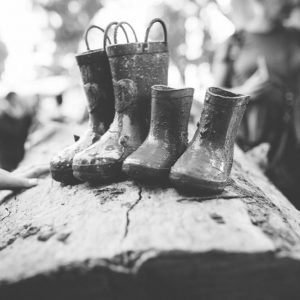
206	164
135	68
97	81
167	138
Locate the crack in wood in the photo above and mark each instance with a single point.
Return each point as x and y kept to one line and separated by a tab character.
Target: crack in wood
7	215
111	191
130	209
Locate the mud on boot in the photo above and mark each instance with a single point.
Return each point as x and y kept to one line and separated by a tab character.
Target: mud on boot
167	138
206	164
103	160
135	68
97	80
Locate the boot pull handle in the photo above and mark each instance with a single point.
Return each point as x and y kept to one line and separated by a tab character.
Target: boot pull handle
87	33
107	30
120	24
157	20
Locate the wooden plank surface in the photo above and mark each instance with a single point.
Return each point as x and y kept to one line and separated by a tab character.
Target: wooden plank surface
132	241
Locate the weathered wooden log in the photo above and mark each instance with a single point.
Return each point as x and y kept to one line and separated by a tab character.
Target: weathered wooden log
130	241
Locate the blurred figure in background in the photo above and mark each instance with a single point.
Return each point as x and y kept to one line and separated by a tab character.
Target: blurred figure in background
262	59
15	121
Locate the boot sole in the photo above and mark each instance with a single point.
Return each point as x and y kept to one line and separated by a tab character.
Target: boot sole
98	174
189	184
64	176
146	174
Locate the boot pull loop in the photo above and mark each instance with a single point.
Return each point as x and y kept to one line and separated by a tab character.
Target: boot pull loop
120	24
157	20
87	32
107	30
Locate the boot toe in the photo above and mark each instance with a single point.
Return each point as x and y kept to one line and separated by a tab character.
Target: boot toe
199	179
83	166
92	168
61	168
146	173
152	168
193	184
63	159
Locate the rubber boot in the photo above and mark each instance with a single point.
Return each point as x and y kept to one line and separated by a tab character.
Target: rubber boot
97	80
167	138
135	68
205	166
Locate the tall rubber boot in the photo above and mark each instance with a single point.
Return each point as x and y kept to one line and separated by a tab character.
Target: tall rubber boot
97	80
167	138
206	165
135	68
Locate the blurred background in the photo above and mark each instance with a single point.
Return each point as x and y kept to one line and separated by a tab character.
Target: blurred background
39	38
38	42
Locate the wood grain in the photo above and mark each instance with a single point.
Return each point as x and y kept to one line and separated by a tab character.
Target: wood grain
131	241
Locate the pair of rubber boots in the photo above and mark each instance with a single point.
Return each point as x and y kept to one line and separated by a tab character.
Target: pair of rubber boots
206	164
117	81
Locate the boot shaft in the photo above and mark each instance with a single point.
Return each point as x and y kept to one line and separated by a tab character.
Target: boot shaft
145	64
220	118
127	116
170	111
96	76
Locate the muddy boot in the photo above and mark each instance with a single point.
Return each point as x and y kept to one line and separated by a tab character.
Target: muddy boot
96	77
206	164
135	68
167	138
103	160
146	64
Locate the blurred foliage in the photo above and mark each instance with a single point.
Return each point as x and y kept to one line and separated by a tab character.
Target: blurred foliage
67	19
178	33
179	42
